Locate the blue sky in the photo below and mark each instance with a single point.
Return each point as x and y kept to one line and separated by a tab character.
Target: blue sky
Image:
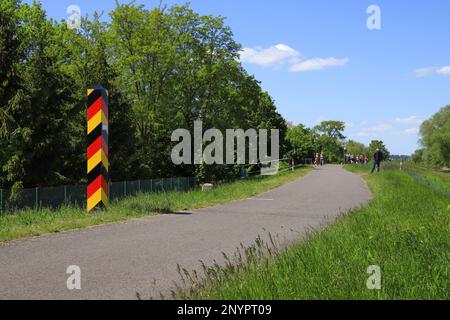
319	61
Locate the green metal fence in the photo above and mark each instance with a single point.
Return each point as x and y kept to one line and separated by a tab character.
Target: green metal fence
55	197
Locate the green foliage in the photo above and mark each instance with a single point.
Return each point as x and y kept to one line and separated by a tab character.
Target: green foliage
331	140
302	143
417	156
36	117
326	138
332	129
90	64
164	68
11	52
435	140
378	144
356	148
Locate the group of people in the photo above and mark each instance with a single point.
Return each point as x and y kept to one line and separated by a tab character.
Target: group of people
355	159
319	160
364	160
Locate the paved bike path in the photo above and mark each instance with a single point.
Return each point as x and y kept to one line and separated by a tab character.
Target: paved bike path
120	259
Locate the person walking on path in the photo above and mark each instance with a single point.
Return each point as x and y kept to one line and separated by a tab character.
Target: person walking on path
377	157
316	160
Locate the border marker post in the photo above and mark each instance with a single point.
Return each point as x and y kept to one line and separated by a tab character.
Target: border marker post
97	153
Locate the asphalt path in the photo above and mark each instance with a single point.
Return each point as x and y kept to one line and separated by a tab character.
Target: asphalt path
118	260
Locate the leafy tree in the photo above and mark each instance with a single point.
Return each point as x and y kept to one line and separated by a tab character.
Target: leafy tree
356	148
40	113
378	144
11	53
332	129
331	139
164	68
435	139
302	143
11	91
417	156
90	65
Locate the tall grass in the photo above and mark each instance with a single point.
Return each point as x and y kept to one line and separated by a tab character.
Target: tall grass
404	231
28	223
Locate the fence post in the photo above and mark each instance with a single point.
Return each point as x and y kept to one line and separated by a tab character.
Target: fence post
1	201
151	185
65	194
124	188
139	186
36	198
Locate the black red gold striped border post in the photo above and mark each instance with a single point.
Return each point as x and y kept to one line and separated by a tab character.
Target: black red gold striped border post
97	153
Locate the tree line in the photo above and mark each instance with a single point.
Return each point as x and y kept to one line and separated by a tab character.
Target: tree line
328	139
435	140
164	68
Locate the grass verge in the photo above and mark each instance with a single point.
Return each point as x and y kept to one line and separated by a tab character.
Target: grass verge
404	231
29	223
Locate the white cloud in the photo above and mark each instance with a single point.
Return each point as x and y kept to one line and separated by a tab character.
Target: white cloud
349	125
382	127
409	120
390	128
444	70
375	130
423	72
412	131
272	56
282	54
363	134
398	133
317	64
